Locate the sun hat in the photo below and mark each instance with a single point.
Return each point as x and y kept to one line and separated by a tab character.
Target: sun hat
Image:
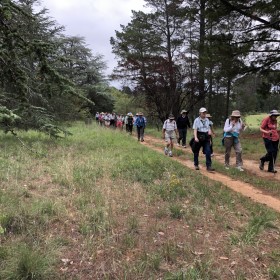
183	112
171	117
208	116
274	113
140	114
202	110
235	113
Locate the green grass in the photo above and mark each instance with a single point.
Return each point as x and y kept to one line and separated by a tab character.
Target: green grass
102	200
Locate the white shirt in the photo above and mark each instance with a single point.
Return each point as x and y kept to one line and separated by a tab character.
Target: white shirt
169	125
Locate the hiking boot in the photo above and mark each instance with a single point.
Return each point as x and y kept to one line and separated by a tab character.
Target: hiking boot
196	167
272	171
165	151
142	140
210	169
240	168
261	166
170	154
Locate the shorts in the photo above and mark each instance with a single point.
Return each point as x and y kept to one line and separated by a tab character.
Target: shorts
170	135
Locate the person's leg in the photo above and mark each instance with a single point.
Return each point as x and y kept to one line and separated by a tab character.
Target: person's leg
180	136
274	155
196	148
228	142
138	132
269	155
184	137
207	150
142	134
238	151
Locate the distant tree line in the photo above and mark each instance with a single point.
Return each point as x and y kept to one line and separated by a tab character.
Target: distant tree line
222	54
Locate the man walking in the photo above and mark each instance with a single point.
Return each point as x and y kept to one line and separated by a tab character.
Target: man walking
183	124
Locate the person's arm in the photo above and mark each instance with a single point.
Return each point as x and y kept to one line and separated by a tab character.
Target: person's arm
195	135
188	122
229	125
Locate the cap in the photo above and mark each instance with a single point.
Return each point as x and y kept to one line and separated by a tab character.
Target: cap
202	110
183	112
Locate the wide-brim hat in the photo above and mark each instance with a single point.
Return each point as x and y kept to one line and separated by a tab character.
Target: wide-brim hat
202	110
183	112
235	113
208	116
274	113
171	117
140	114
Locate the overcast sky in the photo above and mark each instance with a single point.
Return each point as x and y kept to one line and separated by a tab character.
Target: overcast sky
95	20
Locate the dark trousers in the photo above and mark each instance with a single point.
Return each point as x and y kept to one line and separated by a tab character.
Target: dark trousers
140	132
182	136
271	155
207	150
129	128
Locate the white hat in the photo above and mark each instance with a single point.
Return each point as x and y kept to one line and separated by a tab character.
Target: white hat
274	113
202	110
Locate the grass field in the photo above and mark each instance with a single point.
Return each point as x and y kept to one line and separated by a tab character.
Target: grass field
98	205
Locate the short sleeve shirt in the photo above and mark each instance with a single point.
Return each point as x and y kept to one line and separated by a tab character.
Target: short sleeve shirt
202	125
169	125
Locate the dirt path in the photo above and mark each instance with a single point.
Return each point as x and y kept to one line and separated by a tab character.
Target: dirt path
238	186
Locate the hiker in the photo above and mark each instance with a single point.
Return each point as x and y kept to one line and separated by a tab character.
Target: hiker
270	136
232	128
129	123
202	131
182	124
169	133
140	124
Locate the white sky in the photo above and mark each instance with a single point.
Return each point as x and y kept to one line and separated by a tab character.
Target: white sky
95	20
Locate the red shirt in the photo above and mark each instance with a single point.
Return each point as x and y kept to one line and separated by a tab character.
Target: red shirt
269	124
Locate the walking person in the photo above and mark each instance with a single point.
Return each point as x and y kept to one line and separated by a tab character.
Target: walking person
140	124
270	136
169	133
129	123
202	132
232	128
183	124
212	134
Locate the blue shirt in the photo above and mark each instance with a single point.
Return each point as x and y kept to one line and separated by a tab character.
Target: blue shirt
140	122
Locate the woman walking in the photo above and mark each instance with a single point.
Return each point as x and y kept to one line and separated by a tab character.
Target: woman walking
232	128
202	132
169	133
270	136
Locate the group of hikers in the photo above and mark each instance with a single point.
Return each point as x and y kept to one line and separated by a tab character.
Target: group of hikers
114	120
176	130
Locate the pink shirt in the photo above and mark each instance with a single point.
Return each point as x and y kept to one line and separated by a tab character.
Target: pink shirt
268	124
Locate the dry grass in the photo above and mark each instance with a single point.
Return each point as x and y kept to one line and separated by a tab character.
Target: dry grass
101	206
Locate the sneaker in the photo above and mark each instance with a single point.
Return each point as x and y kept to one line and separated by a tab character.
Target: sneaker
170	154
142	140
165	151
210	169
184	146
261	166
239	168
226	167
178	144
272	171
196	167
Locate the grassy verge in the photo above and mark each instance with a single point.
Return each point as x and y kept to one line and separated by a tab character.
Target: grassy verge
98	205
